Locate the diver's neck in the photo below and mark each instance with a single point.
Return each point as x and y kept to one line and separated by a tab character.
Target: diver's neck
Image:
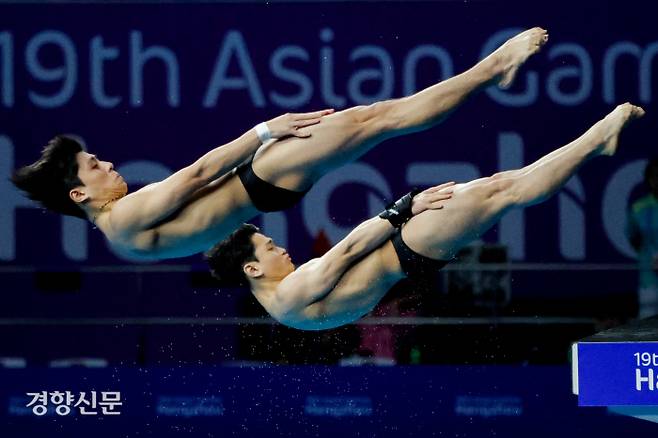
264	287
264	291
99	213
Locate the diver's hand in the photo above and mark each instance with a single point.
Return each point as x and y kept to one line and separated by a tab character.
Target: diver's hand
293	123
433	198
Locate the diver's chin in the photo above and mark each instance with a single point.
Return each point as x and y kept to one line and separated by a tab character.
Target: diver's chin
119	191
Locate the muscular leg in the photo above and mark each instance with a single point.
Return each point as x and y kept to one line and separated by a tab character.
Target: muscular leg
342	137
477	205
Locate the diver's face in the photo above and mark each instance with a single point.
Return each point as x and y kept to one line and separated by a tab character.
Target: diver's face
100	179
273	261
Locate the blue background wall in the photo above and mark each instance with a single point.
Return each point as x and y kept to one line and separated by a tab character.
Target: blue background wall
152	87
220	69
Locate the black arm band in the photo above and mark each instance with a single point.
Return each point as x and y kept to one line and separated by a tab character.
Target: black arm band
398	212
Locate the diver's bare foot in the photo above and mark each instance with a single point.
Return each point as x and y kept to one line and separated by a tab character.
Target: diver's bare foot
515	51
613	123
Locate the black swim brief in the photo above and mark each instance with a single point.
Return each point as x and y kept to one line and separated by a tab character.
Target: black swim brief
266	197
414	265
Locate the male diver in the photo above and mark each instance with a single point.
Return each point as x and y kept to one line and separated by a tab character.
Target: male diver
202	203
414	238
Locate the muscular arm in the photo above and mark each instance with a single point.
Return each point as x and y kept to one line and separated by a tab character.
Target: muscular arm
144	208
150	205
298	296
314	280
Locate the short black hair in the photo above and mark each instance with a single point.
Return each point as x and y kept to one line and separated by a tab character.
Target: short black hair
50	179
227	258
